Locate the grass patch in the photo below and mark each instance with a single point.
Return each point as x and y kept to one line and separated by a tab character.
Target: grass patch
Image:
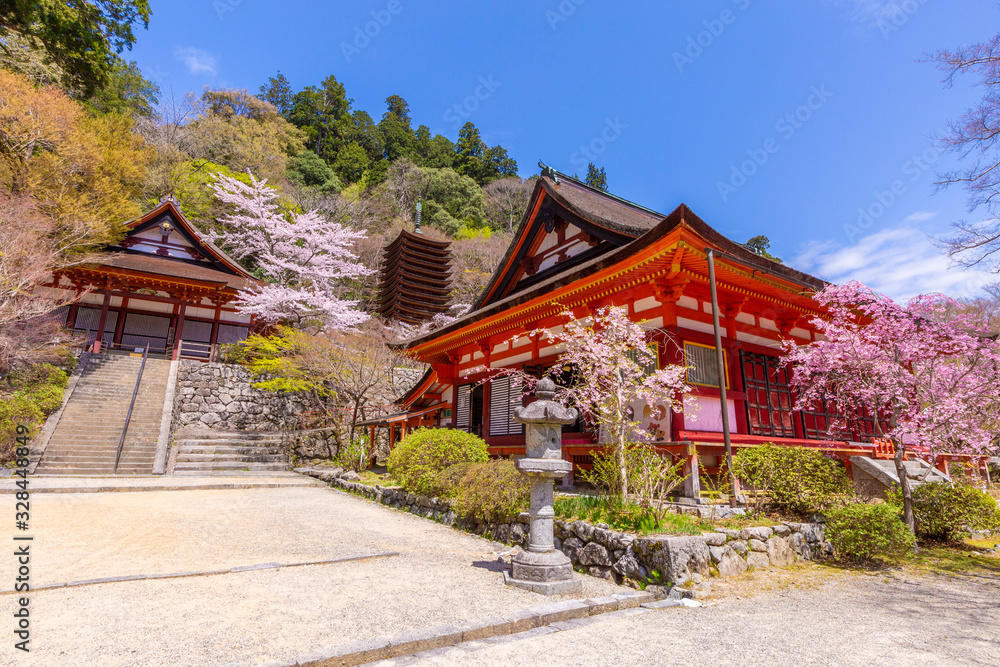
955	557
626	517
369	478
740	522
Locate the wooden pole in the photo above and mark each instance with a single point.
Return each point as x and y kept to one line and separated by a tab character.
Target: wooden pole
721	360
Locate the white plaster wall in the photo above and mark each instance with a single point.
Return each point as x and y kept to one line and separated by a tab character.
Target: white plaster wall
709	415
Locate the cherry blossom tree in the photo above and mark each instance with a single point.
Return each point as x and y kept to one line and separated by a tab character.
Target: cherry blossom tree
611	356
927	371
305	258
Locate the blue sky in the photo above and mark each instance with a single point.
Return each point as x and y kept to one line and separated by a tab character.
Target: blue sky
808	121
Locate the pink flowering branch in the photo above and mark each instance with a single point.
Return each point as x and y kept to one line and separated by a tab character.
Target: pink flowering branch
928	370
616	371
305	258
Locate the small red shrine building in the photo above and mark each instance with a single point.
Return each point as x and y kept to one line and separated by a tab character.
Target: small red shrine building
578	249
163	285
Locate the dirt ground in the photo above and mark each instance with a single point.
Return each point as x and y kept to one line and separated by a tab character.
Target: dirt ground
810	615
441	577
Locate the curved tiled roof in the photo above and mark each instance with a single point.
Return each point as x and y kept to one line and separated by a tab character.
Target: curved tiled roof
166	266
600	207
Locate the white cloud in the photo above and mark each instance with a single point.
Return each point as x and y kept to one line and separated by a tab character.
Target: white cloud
919	216
901	262
196	60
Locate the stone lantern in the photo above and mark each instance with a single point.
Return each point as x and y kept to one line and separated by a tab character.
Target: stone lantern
541	568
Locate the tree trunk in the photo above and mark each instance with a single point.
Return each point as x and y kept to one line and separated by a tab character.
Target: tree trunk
622	472
904	484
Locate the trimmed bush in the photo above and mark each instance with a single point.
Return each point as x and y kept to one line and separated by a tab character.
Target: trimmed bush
447	482
417	460
862	532
793	479
494	491
943	511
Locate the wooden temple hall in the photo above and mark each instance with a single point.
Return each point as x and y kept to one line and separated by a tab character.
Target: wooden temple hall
579	249
163	286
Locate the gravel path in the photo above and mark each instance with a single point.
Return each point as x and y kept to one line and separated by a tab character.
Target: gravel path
851	620
441	577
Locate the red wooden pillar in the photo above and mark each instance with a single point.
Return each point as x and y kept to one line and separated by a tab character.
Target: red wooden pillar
215	329
121	321
179	331
103	320
71	317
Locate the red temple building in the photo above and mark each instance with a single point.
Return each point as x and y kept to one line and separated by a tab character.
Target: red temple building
579	249
163	286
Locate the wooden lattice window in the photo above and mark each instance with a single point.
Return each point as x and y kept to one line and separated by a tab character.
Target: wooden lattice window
702	365
505	397
825	421
464	401
769	399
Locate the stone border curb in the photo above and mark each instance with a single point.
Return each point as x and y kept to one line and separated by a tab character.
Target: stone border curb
166	419
180	575
556	615
599	551
150	489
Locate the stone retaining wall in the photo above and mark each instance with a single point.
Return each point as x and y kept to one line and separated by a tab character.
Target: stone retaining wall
620	557
220	397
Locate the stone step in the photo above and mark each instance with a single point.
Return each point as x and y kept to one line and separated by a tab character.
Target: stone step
236	473
189	467
97	440
205	434
102	428
87	436
104	470
227	449
230	458
104	461
107	451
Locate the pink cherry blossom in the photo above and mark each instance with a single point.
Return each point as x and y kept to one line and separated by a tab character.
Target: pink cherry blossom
615	364
305	258
930	370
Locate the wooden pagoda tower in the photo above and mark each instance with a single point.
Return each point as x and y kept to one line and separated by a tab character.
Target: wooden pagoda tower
416	277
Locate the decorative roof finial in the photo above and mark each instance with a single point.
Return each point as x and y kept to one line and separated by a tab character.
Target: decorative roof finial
416	225
549	172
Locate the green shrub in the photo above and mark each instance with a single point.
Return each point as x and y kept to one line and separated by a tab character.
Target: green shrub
626	516
793	479
447	482
494	491
421	455
32	394
944	511
353	455
862	532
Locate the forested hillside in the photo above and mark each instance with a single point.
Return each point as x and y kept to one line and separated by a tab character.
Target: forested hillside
88	143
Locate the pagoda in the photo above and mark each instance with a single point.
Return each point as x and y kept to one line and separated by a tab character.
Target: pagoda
416	277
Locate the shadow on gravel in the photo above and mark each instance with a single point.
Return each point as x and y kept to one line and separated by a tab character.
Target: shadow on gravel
491	565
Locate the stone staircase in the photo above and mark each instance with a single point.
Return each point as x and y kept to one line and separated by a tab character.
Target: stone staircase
875	476
207	452
86	438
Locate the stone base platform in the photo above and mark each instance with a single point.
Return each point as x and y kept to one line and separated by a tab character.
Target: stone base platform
572	586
